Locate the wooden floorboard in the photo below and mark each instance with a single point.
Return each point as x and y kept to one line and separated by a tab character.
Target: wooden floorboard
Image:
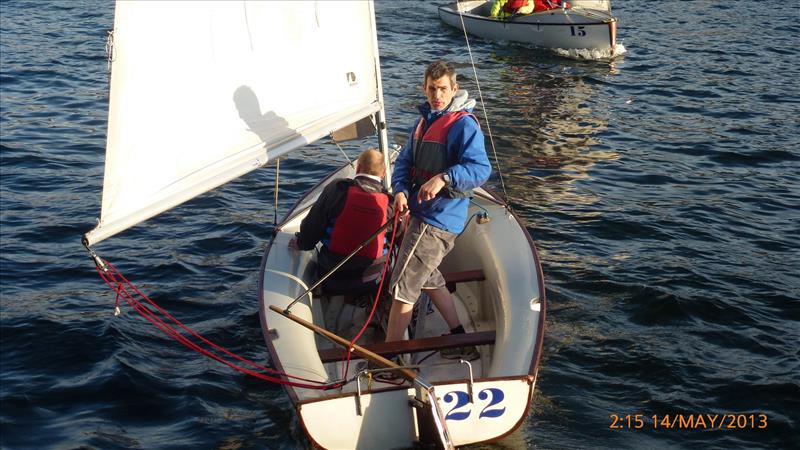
416	345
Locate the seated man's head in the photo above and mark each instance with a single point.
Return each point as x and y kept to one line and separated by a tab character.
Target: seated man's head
370	162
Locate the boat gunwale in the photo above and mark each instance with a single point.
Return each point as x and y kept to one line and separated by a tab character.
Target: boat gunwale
537	351
262	312
262	316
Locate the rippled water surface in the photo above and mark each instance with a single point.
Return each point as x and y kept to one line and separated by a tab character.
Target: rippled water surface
661	188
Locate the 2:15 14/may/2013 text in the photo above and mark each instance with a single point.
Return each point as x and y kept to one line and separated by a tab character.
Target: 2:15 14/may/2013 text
688	421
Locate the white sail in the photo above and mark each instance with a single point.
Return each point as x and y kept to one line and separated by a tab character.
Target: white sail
204	92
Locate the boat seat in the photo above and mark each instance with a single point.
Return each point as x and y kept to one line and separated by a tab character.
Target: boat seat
451	278
389	349
356	287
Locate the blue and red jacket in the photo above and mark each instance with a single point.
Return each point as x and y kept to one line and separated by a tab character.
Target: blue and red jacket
465	161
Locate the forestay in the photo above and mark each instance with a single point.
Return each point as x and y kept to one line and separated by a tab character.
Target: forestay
204	92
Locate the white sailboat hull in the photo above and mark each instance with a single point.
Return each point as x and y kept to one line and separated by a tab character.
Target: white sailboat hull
576	28
510	302
334	423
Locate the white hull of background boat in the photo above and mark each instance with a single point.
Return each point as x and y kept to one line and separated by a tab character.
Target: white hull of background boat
509	302
571	28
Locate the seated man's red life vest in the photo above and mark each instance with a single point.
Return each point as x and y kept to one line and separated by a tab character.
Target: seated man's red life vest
363	213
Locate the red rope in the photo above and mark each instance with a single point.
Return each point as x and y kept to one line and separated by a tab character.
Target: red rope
119	284
377	295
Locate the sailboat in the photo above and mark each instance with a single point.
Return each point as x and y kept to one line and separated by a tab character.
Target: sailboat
577	24
243	84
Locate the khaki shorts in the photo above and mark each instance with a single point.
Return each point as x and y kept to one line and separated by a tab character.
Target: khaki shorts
417	266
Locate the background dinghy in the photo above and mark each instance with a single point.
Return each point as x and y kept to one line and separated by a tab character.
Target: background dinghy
586	24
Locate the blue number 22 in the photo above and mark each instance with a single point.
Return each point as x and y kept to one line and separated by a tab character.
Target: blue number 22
462	398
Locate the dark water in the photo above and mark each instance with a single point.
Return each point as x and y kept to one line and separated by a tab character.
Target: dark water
661	189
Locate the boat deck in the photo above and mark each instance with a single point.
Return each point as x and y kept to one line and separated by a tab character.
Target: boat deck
346	318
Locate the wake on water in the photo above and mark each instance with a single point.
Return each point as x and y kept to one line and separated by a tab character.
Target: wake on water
591	54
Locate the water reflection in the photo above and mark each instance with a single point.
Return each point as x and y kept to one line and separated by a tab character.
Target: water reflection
547	126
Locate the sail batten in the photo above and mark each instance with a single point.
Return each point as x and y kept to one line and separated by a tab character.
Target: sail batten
241	84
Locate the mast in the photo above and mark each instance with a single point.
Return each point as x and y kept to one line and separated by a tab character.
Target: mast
380	115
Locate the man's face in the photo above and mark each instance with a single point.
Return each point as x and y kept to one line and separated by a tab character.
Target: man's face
440	91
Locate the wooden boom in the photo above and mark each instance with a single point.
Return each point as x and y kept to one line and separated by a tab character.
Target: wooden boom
409	375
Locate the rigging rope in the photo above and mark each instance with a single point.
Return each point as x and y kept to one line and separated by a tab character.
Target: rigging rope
350	162
126	290
377	295
277	186
483	104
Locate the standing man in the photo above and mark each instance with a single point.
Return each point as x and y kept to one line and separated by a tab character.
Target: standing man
444	160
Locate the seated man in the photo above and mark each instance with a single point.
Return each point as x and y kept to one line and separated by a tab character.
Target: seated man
347	213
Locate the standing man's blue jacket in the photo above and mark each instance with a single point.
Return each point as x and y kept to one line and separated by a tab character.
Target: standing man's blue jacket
468	168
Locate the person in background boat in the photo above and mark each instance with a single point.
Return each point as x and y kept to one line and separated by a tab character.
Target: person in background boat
433	176
505	9
347	213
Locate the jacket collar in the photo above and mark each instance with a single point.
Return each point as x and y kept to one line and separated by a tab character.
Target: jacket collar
369	183
461	101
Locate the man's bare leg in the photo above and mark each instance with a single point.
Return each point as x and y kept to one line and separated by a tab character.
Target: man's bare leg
444	302
399	318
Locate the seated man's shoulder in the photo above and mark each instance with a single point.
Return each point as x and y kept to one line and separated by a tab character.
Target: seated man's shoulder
340	183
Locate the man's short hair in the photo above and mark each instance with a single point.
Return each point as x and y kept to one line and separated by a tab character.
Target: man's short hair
370	162
439	69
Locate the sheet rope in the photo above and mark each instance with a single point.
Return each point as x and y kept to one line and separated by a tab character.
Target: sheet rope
151	311
386	264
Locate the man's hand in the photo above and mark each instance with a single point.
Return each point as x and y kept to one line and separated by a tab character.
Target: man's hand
293	244
401	203
431	187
